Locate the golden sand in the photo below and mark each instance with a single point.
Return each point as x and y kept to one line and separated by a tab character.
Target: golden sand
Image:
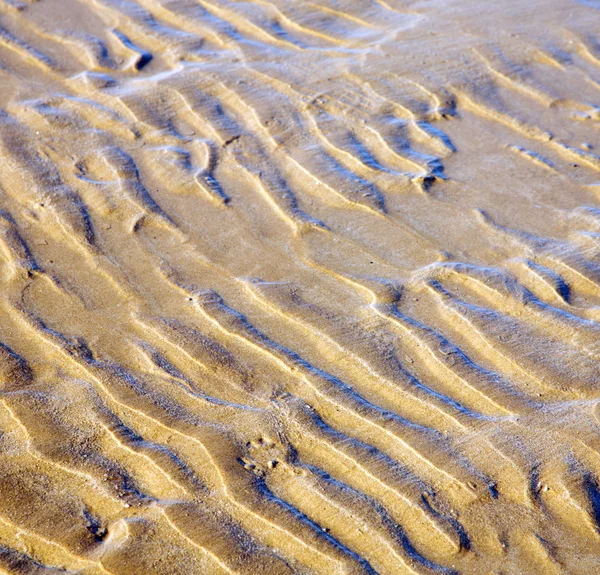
299	287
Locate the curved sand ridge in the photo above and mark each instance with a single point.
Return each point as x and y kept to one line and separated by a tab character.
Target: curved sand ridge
299	287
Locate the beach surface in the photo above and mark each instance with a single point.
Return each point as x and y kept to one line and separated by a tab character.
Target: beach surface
299	287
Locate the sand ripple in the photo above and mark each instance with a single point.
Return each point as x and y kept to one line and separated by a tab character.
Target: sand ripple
299	287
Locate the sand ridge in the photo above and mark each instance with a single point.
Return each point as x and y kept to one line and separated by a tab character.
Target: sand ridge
299	287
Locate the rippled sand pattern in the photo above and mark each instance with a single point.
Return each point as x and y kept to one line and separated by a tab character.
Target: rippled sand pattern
299	287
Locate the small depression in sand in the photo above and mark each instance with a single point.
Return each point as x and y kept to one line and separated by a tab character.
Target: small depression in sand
299	287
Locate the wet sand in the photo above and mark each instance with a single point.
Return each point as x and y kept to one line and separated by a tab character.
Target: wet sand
294	287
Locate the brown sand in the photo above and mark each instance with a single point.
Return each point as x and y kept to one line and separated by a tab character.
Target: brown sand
299	287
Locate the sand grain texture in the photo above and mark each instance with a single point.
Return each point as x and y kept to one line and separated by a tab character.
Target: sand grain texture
293	287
